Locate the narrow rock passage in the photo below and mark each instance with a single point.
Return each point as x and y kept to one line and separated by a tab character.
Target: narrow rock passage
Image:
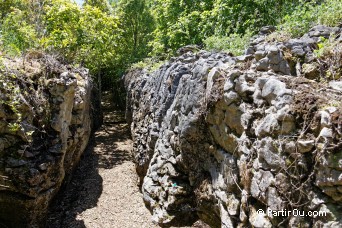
103	191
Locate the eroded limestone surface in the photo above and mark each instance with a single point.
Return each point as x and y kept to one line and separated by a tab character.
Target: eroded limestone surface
45	119
221	137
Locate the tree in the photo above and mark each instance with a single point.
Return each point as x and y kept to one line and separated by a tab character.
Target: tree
99	38
102	5
17	34
63	31
137	24
5	7
179	23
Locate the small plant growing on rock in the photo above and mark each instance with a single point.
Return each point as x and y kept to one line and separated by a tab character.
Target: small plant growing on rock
150	64
329	55
234	43
278	36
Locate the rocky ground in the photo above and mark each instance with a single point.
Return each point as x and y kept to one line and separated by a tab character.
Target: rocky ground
103	191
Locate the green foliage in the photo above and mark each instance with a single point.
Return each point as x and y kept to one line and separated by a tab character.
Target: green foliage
191	22
300	20
324	47
11	99
329	53
310	13
102	5
99	39
18	35
213	21
234	43
63	29
5	7
137	25
178	23
86	35
109	36
330	13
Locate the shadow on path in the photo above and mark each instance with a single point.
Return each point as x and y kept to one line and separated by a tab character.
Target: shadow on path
86	184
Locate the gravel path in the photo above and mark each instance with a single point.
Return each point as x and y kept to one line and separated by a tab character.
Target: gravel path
120	203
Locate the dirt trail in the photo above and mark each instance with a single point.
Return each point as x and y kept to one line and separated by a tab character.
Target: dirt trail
103	191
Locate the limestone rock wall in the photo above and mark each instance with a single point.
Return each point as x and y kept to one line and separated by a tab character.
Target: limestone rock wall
221	137
45	124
